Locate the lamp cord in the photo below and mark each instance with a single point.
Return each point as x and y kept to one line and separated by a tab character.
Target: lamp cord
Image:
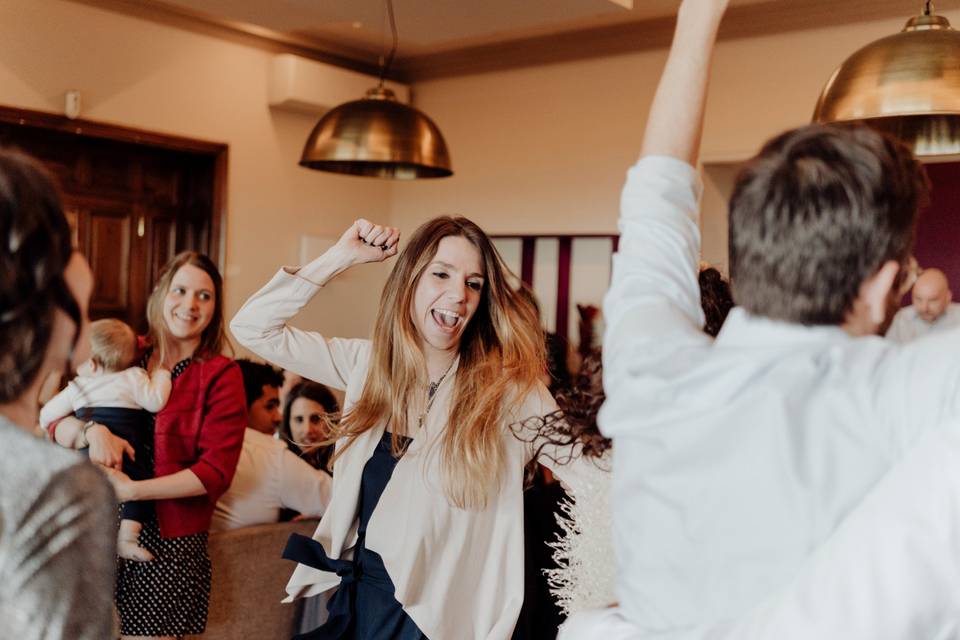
385	66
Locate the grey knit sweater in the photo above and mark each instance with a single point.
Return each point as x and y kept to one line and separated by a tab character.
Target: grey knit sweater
57	541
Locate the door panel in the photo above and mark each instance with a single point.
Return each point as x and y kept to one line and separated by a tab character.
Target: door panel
131	207
109	254
163	238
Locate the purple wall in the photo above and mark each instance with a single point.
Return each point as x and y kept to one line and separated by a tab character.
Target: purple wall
938	231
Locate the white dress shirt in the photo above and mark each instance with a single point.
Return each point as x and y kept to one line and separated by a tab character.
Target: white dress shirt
458	573
270	477
735	459
907	325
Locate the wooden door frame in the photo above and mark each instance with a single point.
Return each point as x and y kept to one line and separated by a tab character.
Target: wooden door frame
528	250
93	129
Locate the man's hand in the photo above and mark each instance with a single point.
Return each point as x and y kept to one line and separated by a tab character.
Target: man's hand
717	7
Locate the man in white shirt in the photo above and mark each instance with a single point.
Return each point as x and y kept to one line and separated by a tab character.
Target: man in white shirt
932	309
269	476
799	477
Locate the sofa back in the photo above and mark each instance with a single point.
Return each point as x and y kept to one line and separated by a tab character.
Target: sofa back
249	577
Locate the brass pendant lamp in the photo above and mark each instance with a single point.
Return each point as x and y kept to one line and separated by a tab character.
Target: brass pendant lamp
378	136
906	84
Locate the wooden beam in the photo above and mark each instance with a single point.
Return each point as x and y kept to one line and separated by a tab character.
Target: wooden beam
527	256
766	18
95	129
564	258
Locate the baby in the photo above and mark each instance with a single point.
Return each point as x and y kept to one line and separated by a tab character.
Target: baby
110	391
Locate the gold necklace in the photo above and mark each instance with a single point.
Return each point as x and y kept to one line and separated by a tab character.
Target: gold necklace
432	395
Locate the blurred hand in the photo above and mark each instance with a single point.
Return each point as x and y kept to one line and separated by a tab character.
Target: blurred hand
123	486
107	449
711	6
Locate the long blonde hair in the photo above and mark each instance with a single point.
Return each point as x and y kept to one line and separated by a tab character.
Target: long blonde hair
501	359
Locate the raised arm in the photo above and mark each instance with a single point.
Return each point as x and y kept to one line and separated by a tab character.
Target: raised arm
654	297
675	123
261	324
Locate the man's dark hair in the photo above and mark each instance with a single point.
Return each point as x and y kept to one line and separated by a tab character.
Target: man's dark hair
256	376
816	213
35	248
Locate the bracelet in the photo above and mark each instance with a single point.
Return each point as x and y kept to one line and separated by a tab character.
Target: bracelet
83	432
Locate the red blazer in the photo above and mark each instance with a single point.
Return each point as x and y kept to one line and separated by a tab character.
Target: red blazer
201	428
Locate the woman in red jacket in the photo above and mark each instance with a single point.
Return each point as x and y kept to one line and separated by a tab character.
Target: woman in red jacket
197	440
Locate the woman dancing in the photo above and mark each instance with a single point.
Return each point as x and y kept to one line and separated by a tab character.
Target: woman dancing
424	533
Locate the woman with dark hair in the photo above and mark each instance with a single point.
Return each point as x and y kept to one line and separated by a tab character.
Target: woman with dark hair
584	577
309	414
716	299
58	516
424	532
197	440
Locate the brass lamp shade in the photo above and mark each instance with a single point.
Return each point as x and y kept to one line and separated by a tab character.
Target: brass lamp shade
906	84
377	136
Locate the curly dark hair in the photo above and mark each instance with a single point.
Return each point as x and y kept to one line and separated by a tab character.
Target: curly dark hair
35	251
576	421
715	298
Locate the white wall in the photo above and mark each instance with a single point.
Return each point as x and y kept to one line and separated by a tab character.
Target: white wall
540	149
545	149
136	73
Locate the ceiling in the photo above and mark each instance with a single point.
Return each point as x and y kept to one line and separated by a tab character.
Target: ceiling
450	37
430	26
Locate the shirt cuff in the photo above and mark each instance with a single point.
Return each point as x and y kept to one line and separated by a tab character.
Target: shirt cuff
211	479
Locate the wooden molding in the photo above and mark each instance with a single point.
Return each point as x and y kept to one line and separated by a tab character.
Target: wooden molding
765	18
94	129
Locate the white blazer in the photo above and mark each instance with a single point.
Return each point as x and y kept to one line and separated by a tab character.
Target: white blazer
458	573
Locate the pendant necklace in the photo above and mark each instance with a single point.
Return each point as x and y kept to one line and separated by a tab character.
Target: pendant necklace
432	394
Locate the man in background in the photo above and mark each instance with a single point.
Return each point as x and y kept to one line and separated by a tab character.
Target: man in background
932	310
269	476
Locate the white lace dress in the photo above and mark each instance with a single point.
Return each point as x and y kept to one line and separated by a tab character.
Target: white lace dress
585	575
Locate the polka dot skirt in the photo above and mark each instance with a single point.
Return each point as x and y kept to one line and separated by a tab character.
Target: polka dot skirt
167	596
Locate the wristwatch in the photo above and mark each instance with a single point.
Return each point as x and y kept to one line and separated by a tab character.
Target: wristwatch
83	433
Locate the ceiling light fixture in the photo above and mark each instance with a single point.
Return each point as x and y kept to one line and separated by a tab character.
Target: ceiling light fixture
378	136
906	84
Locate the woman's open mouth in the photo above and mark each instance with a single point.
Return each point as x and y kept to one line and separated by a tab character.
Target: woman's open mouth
446	320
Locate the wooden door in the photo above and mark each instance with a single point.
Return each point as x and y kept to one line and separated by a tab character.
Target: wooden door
132	205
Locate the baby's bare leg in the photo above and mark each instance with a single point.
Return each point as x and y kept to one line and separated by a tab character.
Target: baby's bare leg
128	542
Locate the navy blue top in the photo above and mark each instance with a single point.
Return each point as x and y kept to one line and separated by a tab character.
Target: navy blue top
376	475
364	606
